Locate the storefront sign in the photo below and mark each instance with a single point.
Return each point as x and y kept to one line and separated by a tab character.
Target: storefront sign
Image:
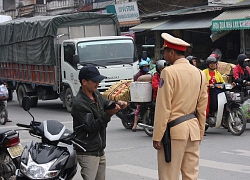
234	24
127	13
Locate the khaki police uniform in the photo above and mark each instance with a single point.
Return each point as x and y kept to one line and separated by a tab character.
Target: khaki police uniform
180	94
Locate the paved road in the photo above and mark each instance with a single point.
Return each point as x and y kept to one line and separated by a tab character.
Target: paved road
130	154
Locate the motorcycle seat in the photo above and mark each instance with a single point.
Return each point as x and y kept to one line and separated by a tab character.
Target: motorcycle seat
4	133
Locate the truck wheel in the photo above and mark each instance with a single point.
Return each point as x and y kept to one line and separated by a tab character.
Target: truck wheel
34	102
68	98
20	94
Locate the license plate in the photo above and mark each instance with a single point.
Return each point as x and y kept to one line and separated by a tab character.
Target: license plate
15	151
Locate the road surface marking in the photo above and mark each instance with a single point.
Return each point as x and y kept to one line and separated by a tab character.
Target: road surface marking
137	170
225	166
239	152
242	152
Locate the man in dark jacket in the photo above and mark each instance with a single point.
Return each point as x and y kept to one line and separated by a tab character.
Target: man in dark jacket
241	72
92	133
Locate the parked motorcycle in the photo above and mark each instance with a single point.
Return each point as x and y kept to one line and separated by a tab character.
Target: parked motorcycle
146	118
10	152
127	116
53	157
228	113
3	113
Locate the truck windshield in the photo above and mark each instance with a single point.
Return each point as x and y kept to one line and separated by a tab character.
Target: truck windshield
107	52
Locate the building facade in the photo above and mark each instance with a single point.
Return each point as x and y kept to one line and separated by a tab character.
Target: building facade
205	24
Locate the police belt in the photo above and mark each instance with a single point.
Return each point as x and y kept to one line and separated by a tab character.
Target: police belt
166	140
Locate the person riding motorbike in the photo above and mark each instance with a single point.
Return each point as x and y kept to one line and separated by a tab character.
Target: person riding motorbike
241	72
192	60
212	76
160	65
144	68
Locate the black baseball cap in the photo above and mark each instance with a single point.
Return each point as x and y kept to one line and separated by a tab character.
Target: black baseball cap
90	72
242	57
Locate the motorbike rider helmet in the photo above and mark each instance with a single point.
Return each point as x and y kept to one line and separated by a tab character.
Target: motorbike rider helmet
160	64
148	59
241	59
190	59
211	60
143	63
217	54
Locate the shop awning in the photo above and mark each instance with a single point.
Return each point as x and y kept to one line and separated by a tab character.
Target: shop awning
148	25
189	22
236	19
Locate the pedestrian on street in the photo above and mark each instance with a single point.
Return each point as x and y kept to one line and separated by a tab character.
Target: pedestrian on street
92	133
182	100
5	102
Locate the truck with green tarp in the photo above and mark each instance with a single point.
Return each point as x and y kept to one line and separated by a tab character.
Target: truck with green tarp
41	56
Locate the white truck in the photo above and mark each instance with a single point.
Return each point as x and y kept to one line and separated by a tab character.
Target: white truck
41	56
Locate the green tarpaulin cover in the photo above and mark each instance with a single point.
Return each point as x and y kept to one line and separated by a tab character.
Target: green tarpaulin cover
31	40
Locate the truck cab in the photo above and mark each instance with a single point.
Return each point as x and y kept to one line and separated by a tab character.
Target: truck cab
114	56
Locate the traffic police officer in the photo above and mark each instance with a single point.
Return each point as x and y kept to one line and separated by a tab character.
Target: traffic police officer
181	92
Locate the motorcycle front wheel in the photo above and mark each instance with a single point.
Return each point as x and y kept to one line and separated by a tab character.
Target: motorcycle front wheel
126	117
146	119
127	125
237	124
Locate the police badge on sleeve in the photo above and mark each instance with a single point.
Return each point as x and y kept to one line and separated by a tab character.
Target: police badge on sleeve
161	82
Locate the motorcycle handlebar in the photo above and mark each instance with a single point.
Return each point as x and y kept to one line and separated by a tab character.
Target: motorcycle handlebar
23	125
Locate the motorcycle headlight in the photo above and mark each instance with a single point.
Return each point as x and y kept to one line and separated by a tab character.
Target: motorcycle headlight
38	171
